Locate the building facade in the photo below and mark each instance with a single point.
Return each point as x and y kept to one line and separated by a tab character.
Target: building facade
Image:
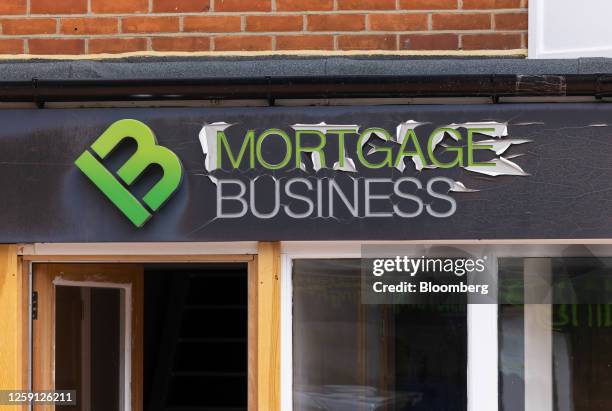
82	27
285	205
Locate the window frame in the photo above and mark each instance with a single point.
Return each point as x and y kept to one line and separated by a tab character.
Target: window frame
483	326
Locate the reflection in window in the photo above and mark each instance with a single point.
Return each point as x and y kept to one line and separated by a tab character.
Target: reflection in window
348	356
512	358
582	358
581	327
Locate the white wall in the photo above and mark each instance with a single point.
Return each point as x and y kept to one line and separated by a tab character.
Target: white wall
570	28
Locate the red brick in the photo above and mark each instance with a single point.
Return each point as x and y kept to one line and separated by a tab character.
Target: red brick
117	45
243	5
119	6
89	25
491	41
13	6
181	43
28	26
398	22
57	6
304	5
511	21
211	24
491	4
56	46
428	4
429	42
11	46
472	21
243	43
366	4
367	42
274	23
150	24
180	6
305	42
336	22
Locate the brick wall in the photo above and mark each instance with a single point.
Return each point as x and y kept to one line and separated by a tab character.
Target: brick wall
115	26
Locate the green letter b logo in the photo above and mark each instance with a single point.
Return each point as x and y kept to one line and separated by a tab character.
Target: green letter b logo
147	153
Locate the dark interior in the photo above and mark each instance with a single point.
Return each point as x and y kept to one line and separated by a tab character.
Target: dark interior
195	337
103	346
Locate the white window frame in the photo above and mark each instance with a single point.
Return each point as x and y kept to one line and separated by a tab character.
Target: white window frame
483	331
125	326
482	340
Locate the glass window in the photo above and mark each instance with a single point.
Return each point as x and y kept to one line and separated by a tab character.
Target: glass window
572	336
349	356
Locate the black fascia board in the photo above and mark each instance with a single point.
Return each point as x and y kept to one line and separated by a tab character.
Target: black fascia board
158	79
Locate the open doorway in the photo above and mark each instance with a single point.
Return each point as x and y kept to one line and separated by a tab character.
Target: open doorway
196	342
132	337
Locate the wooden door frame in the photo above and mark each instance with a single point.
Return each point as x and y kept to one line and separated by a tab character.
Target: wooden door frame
263	278
102	275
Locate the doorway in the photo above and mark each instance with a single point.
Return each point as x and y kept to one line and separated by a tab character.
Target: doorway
142	336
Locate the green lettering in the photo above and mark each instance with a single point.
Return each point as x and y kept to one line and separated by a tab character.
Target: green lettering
430	149
471	147
388	160
288	147
410	136
246	143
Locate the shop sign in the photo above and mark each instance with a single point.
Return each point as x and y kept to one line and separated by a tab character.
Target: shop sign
332	173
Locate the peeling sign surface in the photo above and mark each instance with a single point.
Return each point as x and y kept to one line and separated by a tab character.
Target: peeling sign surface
549	174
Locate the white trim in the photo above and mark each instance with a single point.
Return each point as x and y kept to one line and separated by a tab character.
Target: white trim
483	350
187	248
574	53
483	332
127	330
85	399
125	347
502	248
534	30
483	357
286	332
538	336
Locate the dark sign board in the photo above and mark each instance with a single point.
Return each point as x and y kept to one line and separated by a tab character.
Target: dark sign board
306	173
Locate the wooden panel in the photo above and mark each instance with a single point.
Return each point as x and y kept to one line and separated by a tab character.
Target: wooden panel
44	326
220	258
13	314
137	338
43	334
268	326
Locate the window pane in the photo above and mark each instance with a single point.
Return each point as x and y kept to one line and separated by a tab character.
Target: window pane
350	356
580	328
